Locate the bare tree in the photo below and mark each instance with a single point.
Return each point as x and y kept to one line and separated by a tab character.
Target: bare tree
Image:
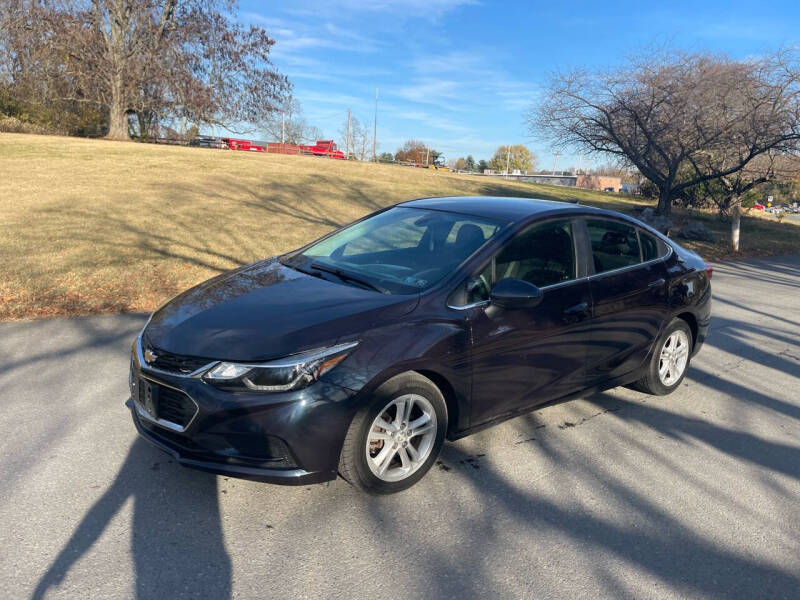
158	59
288	124
727	191
663	109
360	139
457	164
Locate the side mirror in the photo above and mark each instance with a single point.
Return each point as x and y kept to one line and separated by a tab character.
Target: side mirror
515	293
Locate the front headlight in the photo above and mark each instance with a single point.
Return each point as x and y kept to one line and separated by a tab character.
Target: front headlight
290	373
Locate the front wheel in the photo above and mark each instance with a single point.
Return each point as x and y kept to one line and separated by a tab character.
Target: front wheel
394	440
670	360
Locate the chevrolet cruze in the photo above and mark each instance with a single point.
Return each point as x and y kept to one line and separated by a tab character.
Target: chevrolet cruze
361	352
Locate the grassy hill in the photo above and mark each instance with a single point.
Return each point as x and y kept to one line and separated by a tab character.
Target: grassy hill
92	226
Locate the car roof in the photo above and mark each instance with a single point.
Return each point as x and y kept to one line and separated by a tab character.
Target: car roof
512	209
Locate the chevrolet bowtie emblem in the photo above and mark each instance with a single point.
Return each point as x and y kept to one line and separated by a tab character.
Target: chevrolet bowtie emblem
150	356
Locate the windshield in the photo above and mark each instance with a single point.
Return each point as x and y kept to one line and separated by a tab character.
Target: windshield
399	251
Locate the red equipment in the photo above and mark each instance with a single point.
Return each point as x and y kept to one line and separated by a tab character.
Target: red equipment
325	148
246	145
321	148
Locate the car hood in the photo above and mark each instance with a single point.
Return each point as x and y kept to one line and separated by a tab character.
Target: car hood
266	310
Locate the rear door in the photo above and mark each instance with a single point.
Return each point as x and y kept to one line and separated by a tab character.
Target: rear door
629	296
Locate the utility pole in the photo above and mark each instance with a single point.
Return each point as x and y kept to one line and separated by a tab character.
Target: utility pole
555	161
347	153
580	162
375	130
427	155
283	128
508	160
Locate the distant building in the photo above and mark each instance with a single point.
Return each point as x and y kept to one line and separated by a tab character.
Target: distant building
590	182
602	183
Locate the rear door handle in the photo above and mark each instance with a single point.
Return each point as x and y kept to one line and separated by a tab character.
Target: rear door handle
656	283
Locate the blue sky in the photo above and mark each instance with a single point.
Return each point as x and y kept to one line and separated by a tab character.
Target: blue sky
459	74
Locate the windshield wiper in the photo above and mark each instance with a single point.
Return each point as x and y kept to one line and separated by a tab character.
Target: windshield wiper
347	276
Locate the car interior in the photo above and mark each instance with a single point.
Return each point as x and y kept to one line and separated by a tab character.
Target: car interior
419	251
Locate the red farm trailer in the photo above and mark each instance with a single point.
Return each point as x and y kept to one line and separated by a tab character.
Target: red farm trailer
321	148
326	148
246	145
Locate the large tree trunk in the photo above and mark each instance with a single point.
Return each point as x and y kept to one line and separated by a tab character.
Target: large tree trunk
117	112
736	222
117	124
664	202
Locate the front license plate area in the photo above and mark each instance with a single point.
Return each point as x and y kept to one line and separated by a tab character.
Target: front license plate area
148	397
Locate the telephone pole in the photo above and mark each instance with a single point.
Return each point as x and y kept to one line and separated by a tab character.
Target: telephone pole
283	128
347	153
508	160
555	161
375	130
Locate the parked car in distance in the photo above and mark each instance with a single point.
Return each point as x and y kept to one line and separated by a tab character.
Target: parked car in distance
758	206
359	353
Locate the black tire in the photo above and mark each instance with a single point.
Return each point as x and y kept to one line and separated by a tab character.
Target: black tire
651	382
353	464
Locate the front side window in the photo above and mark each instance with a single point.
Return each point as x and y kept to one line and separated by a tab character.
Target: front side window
543	255
614	245
400	251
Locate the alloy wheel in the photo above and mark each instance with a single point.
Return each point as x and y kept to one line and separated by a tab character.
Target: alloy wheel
401	437
674	358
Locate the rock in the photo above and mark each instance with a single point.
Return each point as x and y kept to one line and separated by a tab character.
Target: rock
657	222
695	230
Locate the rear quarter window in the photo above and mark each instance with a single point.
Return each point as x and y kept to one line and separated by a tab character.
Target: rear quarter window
652	247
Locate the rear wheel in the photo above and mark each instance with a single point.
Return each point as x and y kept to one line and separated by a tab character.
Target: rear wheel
670	360
394	440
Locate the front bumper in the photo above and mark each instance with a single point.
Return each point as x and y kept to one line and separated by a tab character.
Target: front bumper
291	438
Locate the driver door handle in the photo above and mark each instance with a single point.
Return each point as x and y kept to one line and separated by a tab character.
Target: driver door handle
657	283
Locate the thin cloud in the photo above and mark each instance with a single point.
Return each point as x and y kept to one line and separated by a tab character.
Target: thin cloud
422	9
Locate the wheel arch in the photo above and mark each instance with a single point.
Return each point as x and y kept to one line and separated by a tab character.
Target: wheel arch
449	394
691	321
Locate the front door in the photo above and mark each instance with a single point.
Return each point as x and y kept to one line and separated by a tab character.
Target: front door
523	357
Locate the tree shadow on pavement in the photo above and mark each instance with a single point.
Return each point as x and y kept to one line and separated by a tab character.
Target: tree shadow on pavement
666	548
177	543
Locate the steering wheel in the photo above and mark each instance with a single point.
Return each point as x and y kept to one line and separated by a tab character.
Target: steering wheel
479	287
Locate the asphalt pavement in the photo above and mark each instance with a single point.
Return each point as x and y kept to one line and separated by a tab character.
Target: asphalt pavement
619	495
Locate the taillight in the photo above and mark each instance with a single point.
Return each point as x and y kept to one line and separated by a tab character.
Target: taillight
709	270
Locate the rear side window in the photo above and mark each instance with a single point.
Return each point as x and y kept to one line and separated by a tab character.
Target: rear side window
614	245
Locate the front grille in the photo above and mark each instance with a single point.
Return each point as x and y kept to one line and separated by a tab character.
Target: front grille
175	363
165	403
